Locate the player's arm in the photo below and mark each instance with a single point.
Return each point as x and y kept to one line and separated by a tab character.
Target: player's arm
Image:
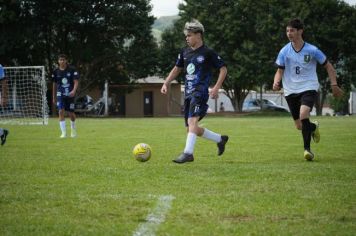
337	91
75	87
277	79
214	93
4	92
54	93
171	76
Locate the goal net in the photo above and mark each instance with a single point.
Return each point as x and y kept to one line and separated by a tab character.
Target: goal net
25	96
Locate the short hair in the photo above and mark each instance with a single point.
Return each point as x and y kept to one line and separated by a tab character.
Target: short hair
296	23
62	56
193	26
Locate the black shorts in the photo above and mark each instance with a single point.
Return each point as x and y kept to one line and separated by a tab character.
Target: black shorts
66	103
196	105
296	100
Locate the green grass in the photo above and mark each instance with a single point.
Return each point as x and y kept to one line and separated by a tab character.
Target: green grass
91	185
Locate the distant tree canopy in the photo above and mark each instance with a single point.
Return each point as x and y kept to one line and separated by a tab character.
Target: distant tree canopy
249	34
106	40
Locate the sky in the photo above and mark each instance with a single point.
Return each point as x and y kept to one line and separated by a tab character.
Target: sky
170	7
165	7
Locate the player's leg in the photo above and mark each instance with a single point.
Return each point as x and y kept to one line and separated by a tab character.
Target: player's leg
298	113
61	113
307	103
187	155
219	139
3	135
62	123
73	117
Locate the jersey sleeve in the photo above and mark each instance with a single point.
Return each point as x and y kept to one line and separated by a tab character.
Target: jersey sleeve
216	60
180	60
2	72
280	61
320	56
74	73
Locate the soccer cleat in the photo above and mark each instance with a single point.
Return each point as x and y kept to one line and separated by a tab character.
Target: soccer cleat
63	135
221	144
3	136
308	155
73	133
184	157
316	134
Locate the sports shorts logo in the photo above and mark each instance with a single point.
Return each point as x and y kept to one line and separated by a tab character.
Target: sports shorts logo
190	68
307	58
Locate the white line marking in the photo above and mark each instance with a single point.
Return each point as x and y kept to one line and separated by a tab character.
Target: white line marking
156	217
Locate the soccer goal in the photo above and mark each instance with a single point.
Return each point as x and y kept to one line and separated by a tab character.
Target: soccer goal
25	96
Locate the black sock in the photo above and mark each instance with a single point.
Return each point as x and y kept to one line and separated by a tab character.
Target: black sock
306	132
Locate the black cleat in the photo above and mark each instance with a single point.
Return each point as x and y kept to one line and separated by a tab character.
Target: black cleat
221	145
3	137
184	157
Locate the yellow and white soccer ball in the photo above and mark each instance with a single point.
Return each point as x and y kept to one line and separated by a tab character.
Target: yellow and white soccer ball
142	152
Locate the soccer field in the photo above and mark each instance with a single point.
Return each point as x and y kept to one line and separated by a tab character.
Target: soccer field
92	185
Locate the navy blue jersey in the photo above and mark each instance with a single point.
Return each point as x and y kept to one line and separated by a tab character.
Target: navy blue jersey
198	65
65	80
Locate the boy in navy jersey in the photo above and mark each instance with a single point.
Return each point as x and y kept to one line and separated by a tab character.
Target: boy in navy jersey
197	62
65	84
297	63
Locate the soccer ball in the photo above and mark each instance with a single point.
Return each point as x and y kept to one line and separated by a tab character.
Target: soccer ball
142	152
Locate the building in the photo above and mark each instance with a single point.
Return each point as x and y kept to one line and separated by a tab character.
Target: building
146	99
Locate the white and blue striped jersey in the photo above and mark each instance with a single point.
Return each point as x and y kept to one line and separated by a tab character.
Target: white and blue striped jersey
300	68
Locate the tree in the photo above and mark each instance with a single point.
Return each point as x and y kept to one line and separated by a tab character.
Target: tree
249	34
106	39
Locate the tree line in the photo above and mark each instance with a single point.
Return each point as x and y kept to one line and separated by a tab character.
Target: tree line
112	40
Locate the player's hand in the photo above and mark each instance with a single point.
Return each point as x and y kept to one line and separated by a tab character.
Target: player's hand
214	93
337	91
276	86
164	89
71	94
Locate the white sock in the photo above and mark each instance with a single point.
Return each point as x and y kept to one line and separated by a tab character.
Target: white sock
72	124
211	135
1	131
190	143
62	125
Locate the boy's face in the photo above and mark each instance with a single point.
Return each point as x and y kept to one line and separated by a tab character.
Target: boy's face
192	38
294	34
62	62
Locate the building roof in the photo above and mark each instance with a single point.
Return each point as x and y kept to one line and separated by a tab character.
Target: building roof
153	80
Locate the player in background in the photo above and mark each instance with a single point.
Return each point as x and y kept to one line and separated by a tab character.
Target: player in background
3	82
197	62
65	84
297	62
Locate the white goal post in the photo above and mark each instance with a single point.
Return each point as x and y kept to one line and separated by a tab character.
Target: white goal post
26	99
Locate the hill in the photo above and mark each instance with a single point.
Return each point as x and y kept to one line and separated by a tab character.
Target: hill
162	23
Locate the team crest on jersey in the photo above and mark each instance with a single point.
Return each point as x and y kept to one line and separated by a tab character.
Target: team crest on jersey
64	81
190	68
200	59
307	58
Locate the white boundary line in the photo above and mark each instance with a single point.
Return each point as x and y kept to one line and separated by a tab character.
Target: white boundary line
156	217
